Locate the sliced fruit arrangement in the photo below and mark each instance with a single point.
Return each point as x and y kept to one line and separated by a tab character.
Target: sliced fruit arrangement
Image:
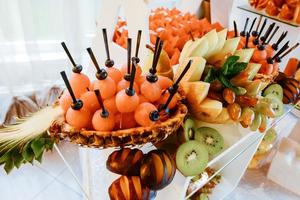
173	27
267	54
192	147
142	174
226	83
286	10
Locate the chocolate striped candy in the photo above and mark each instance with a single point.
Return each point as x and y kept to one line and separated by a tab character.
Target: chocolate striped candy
130	188
157	169
125	161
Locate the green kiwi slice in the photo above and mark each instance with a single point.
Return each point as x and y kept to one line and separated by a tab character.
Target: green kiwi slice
256	122
191	158
276	104
189	129
211	138
274	89
270	135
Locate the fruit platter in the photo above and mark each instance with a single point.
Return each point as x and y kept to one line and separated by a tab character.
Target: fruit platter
200	98
284	10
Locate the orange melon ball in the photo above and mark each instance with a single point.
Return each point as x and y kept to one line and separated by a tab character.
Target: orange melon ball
65	101
123	84
270	51
106	86
259	55
115	74
78	118
125	121
151	91
265	68
138	71
142	114
125	103
163	99
90	101
142	99
79	83
164	82
91	87
103	123
140	80
110	104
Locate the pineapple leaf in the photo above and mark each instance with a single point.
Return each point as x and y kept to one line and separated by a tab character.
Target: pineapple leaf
4	158
38	146
28	153
9	165
17	158
39	158
49	143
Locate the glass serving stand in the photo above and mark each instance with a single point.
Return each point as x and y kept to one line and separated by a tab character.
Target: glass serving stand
94	179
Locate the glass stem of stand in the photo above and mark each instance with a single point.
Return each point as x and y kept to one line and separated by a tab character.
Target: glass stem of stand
71	171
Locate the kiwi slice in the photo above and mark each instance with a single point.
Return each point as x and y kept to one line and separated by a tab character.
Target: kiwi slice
270	135
189	129
191	158
256	122
211	139
274	89
276	104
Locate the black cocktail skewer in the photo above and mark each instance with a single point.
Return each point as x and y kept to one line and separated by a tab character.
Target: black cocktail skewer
267	33
101	74
272	35
283	48
76	68
256	40
235	29
243	33
127	76
255	32
252	25
109	62
280	39
279	58
104	112
76	103
138	42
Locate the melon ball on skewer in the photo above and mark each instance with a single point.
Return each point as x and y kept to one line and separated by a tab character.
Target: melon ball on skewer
110	104
65	101
170	97
127	100
103	119
76	115
126	69
113	72
105	84
150	87
164	82
79	81
90	101
146	114
124	83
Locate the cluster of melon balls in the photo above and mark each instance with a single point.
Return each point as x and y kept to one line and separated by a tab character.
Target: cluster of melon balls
117	99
